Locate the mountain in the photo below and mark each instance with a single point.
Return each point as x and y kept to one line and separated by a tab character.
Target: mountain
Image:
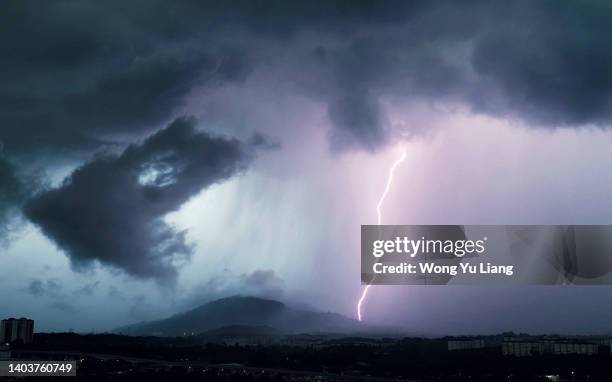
240	311
242	330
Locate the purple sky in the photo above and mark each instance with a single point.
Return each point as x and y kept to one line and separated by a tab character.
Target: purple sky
288	120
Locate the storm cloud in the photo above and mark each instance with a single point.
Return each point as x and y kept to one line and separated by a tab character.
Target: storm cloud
14	190
76	75
548	63
111	209
81	74
10	195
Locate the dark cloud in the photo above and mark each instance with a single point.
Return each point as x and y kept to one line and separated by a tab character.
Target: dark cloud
36	288
39	287
544	63
359	122
50	289
81	74
12	193
10	187
111	209
15	188
77	75
548	63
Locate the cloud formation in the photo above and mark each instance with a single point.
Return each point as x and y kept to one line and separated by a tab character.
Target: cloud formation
10	194
14	190
111	209
81	75
264	283
547	63
92	71
39	287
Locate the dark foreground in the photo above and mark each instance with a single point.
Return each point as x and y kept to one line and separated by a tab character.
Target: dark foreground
303	358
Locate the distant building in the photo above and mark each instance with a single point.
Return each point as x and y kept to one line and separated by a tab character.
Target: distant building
14	329
473	342
529	346
522	347
575	348
466	344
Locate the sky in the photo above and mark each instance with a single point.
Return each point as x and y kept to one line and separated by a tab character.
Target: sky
157	156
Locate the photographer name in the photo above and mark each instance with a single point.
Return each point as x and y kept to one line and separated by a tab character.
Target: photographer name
432	268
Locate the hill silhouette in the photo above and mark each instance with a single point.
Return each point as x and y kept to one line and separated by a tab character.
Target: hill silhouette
243	312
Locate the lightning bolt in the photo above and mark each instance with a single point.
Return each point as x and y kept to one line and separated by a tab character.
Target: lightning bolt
397	162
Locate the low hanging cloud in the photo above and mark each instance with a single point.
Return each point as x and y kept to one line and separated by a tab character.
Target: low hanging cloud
111	209
264	283
39	287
